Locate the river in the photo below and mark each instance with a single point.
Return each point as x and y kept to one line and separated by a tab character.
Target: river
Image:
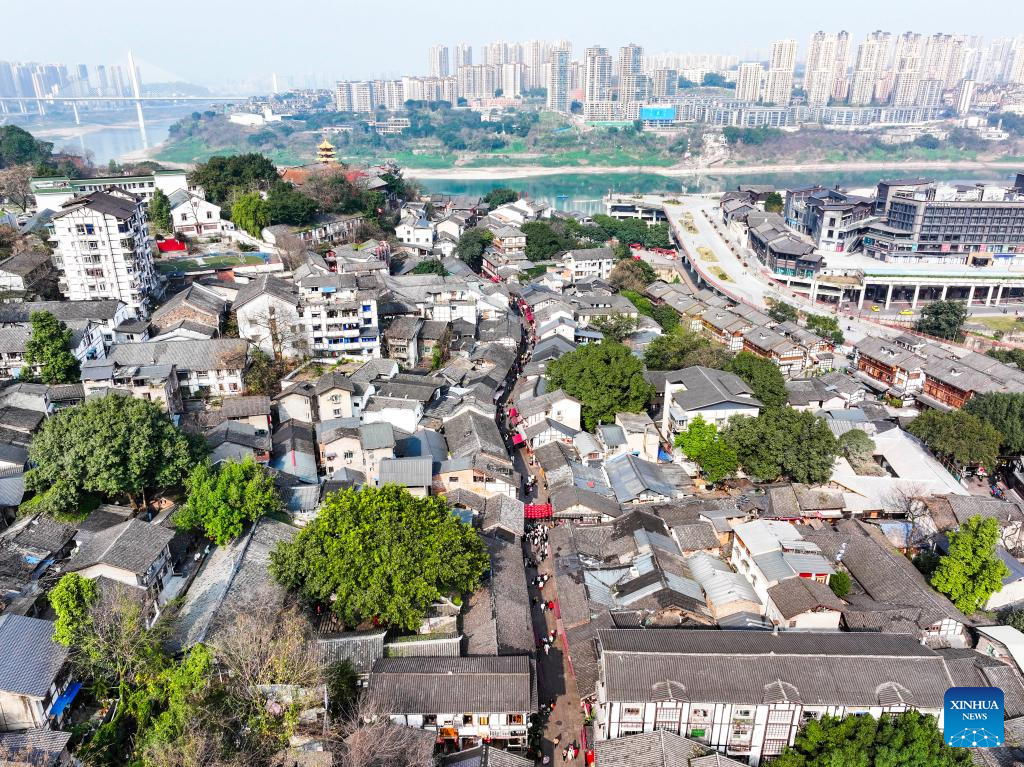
583	192
107	135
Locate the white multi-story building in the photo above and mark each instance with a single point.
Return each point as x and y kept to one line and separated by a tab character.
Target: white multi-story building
558	81
779	82
907	63
52	192
664	83
748	82
478	81
536	55
463	55
598	75
871	59
512	80
104	250
825	76
633	84
437	60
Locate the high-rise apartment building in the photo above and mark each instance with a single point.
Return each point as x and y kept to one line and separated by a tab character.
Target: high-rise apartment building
438	61
872	56
749	81
633	84
908	60
512	80
825	75
597	74
664	83
104	251
463	56
477	81
536	54
778	87
501	52
965	97
557	80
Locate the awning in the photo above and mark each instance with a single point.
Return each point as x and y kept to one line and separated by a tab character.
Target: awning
512	412
517	439
65	700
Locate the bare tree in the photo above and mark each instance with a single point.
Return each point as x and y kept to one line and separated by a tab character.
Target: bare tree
909	502
14	185
284	331
367	738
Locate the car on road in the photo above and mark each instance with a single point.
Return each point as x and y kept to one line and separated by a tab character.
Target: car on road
875	308
906	313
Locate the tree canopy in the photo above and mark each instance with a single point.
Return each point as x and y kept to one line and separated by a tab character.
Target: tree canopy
971	571
287	206
250	213
381	553
960	435
49	349
943	319
160	211
113	446
632	274
222	499
682	349
783	442
71	599
18	147
780	311
471	247
633	230
430	266
856	444
606	377
500	196
840	583
1006	413
762	376
615	327
826	327
222	176
907	739
543	241
774	203
700	442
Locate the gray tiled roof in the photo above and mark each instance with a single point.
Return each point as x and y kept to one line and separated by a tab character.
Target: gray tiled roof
266	284
243	407
794	596
133	546
695	536
373	436
630	476
204	354
648	749
41	747
746	667
31	659
411	472
705	387
106	203
464	684
486	755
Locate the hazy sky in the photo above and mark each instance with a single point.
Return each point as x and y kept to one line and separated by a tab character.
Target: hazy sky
213	41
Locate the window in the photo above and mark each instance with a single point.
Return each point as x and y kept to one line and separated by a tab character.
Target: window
453	480
467	719
430	719
515	719
483	721
209	214
631	712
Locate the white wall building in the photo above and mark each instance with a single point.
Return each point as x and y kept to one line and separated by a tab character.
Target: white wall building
104	250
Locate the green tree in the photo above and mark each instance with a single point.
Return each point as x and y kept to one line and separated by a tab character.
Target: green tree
783	442
1013	616
700	443
19	147
542	241
250	213
222	176
907	739
762	376
666	317
160	211
500	196
1008	356
263	374
49	349
222	499
971	571
287	206
605	377
471	247
1006	413
856	444
774	203
632	274
114	446
960	435
826	327
71	599
615	327
840	583
381	553
780	311
943	319
430	266
679	349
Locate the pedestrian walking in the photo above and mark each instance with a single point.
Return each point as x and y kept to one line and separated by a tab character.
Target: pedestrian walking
547	649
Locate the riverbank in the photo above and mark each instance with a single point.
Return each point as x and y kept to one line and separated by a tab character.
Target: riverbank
505	172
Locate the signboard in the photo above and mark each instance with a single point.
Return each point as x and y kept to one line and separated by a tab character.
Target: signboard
663	114
973	717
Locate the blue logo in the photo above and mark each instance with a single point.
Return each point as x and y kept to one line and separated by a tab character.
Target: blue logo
973	717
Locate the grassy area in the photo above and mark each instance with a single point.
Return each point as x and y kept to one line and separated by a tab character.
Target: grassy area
705	254
720	273
1000	323
182	265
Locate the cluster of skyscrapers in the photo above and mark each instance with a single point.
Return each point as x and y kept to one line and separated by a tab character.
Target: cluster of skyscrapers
33	81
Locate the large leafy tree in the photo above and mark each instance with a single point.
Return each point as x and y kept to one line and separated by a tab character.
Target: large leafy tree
222	499
160	211
632	274
542	241
605	377
71	599
287	206
762	376
971	571
113	446
381	553
943	319
962	436
780	311
615	327
500	196
682	349
471	247
49	349
1006	413
250	213
18	146
908	739
220	176
782	442
701	443
856	444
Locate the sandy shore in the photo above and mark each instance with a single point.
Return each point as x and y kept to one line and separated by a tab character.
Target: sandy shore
528	171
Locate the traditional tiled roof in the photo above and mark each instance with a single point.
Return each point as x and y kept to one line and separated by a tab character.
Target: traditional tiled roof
132	546
32	659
